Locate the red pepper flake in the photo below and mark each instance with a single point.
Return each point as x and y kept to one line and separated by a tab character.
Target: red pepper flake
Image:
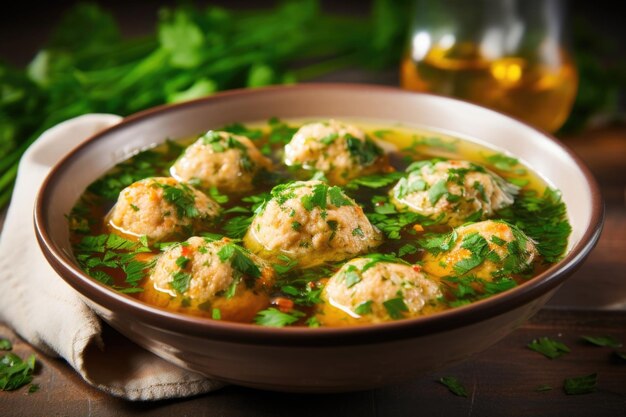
284	304
185	250
417	268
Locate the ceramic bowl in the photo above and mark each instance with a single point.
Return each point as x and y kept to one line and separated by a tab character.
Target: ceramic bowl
325	359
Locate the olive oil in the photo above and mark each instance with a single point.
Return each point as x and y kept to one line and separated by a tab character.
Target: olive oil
539	93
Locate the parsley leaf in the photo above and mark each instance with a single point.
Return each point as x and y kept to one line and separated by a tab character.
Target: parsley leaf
395	307
603	341
454	385
182	198
317	198
364	151
436	191
5	344
180	281
273	317
543	219
338	198
364	308
351	276
15	372
548	347
374	181
239	260
580	385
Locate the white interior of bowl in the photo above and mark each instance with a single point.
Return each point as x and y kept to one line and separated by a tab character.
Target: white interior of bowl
453	117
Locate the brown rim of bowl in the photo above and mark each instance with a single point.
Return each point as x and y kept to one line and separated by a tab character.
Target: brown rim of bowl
254	334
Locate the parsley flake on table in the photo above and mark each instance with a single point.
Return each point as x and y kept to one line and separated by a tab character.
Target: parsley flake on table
5	344
15	372
607	341
580	385
454	385
548	347
543	388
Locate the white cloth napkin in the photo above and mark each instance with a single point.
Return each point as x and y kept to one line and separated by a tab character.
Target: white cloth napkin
48	313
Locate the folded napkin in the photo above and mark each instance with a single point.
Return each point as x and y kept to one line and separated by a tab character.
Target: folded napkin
48	313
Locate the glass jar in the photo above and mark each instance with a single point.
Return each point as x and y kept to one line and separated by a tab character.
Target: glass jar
509	55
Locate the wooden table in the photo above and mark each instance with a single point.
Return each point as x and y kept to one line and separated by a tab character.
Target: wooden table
501	380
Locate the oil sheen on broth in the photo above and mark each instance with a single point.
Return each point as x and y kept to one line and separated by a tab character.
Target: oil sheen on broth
317	223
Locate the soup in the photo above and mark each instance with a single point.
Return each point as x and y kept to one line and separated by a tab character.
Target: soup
317	223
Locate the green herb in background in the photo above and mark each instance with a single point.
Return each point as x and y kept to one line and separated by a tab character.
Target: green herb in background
87	66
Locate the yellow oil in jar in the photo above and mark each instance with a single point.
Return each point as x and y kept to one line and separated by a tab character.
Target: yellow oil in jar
540	93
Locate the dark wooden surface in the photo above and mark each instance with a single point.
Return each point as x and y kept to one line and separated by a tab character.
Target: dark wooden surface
500	381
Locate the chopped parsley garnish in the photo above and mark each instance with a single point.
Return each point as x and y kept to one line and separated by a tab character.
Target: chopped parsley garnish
33	388
317	198
182	262
280	132
607	341
239	260
436	191
338	198
358	232
543	219
287	264
364	308
351	276
548	347
364	151
242	130
143	165
273	317
479	249
409	185
505	163
217	196
313	322
454	385
329	139
580	385
374	258
180	281
431	142
182	198
236	227
296	225
436	243
392	224
15	372
406	249
395	307
94	253
374	181
469	288
216	314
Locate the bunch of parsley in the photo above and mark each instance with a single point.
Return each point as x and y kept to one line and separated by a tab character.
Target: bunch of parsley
87	66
